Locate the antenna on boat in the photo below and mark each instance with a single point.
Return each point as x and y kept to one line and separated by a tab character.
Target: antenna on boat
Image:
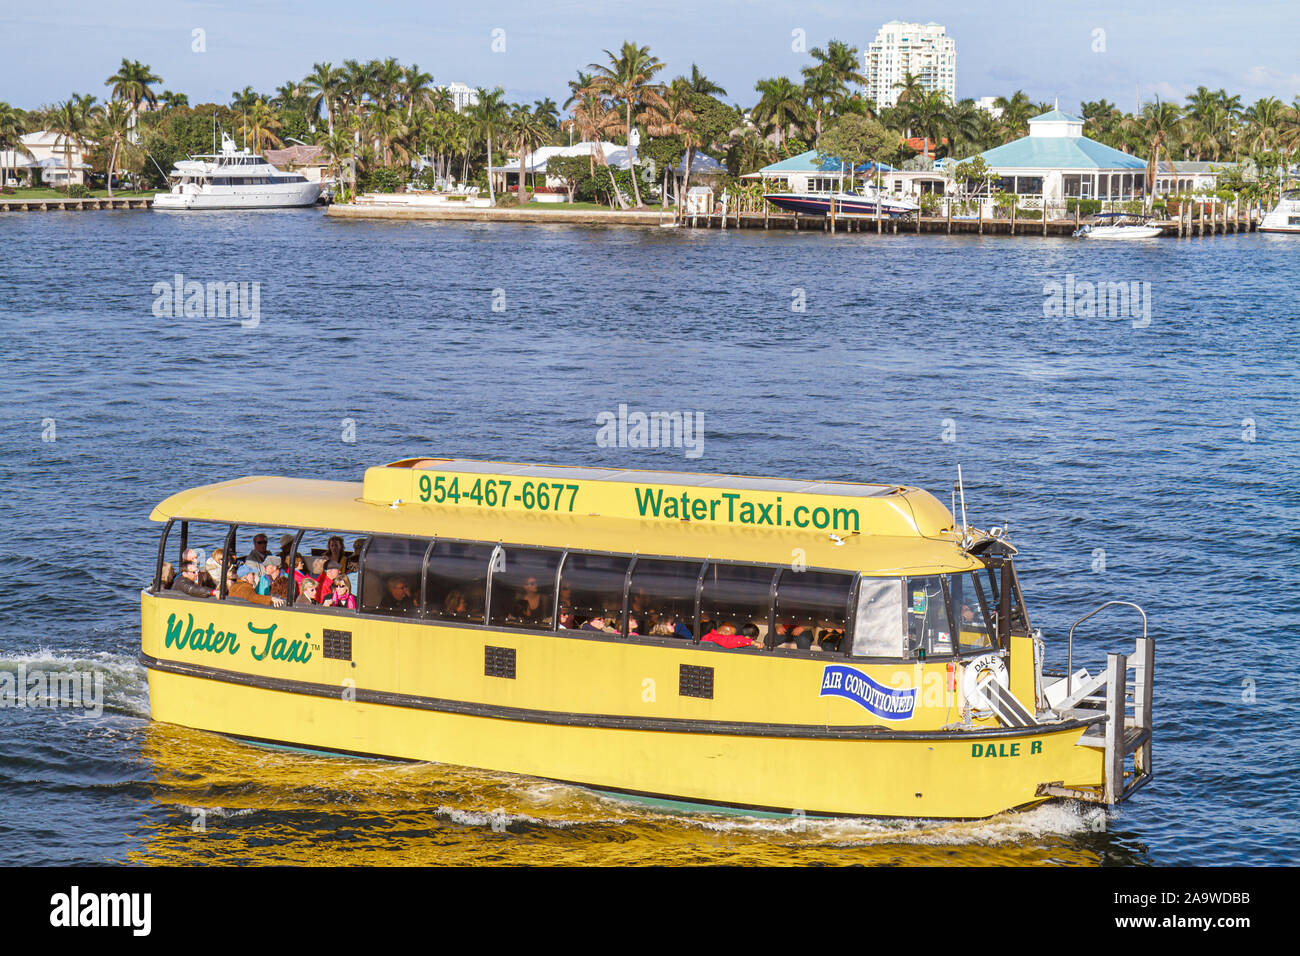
961	490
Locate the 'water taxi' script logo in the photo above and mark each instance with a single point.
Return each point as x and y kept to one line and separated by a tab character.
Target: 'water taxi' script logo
887	702
183	634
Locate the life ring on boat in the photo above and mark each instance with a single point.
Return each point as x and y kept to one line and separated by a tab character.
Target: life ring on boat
993	664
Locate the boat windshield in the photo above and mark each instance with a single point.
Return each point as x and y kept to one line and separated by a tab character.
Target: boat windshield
917	617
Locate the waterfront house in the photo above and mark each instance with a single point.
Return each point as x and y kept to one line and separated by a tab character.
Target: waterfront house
1056	162
535	162
45	157
1182	177
310	161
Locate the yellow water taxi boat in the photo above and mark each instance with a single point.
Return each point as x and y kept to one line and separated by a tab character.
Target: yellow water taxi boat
756	643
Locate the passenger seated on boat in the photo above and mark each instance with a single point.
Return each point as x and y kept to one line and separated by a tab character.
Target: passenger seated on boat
212	572
334	552
242	585
455	605
259	552
286	550
188	582
341	595
306	592
329	574
280	588
270	574
532	601
299	568
828	640
794	636
726	636
397	596
598	623
358	546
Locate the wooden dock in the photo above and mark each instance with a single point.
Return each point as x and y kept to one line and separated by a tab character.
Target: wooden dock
72	205
1223	220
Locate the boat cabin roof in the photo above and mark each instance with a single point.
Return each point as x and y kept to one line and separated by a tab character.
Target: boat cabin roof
872	528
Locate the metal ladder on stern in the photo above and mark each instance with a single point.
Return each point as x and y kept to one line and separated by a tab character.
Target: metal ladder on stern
1126	705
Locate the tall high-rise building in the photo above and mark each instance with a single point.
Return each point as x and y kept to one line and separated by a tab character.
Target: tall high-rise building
923	49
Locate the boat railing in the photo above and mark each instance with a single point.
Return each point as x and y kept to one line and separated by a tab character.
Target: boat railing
1126	706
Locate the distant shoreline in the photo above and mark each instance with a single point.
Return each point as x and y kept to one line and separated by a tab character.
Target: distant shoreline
615	217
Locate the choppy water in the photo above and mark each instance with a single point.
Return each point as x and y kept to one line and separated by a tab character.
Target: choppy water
1174	448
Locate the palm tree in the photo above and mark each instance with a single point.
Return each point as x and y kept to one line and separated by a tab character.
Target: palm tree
171	101
841	61
547	112
340	151
416	87
675	118
592	118
1016	112
628	78
1262	119
697	82
528	131
820	88
113	126
490	115
1161	123
12	127
132	83
388	77
322	86
261	122
70	120
927	113
780	107
909	86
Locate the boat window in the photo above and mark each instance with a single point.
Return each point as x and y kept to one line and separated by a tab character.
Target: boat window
200	543
390	579
878	630
591	593
318	552
992	576
929	630
812	609
971	609
662	595
739	595
523	588
455	586
260	555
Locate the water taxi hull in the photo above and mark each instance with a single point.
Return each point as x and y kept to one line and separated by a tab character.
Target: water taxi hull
419	692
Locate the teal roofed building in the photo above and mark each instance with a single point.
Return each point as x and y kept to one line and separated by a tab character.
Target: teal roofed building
810	173
1057	162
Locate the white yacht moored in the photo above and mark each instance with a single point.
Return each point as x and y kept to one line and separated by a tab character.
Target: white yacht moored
1285	216
234	179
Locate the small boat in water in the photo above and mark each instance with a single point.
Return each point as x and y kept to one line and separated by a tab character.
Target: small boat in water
846	204
234	179
1285	216
641	633
1119	225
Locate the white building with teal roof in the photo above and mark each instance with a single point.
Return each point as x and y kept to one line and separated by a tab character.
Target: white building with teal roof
1056	162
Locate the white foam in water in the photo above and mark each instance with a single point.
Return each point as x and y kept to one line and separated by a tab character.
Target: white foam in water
125	687
1049	820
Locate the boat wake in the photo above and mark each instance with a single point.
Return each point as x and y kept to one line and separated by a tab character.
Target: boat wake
45	679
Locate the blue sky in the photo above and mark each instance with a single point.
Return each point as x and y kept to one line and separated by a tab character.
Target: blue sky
52	48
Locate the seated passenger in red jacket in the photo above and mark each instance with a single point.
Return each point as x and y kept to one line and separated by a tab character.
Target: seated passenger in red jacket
726	636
